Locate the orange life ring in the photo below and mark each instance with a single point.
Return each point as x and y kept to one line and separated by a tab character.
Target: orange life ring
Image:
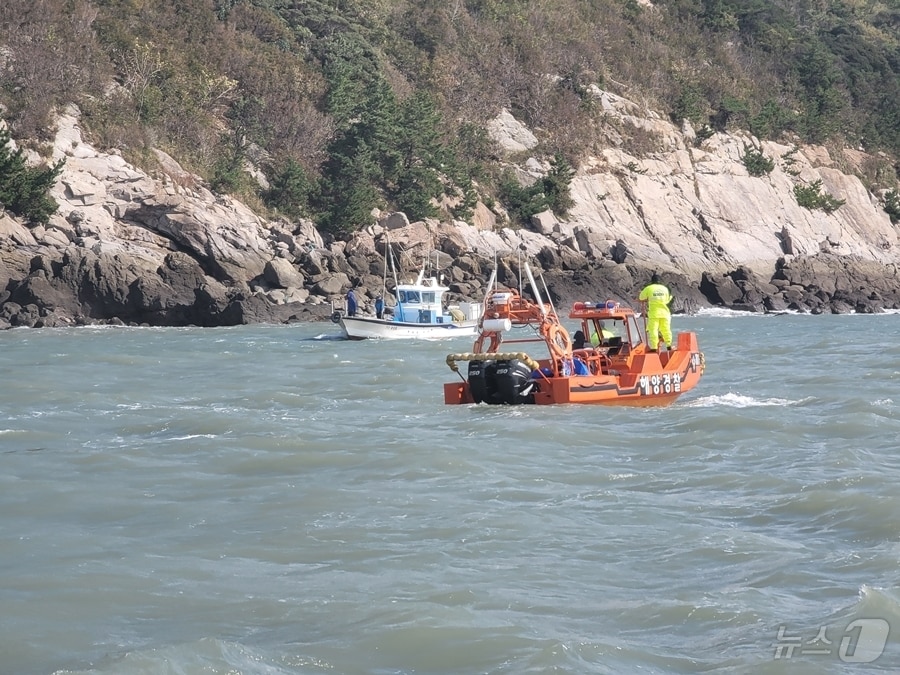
559	341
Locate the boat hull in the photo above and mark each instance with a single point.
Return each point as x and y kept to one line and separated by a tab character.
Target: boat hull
364	327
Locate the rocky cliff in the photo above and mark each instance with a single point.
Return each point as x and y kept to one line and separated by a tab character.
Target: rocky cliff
161	249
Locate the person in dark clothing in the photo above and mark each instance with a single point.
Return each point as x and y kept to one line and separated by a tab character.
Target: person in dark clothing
351	303
578	340
379	307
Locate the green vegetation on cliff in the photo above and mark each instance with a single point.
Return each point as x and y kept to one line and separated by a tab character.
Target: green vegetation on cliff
24	189
353	104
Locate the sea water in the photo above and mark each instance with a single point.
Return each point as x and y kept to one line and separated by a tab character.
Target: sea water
273	500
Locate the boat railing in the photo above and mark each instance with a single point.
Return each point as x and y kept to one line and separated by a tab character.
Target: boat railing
516	341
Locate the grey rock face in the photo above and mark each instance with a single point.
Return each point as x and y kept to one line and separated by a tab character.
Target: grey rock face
128	247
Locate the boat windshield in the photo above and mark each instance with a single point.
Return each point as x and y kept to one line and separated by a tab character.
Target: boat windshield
408	296
601	331
634	332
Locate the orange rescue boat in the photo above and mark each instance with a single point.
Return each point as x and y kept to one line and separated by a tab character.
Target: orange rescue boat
615	368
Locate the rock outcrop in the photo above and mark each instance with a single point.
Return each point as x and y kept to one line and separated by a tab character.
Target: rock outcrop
162	249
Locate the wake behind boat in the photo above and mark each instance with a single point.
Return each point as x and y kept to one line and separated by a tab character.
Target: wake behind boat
619	370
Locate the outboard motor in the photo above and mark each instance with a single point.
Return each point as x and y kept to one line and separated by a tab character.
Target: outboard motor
514	383
478	383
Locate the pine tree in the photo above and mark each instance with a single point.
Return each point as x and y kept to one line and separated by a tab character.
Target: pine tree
556	185
291	190
25	190
418	178
348	192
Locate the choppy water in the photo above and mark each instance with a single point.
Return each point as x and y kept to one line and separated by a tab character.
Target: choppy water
267	500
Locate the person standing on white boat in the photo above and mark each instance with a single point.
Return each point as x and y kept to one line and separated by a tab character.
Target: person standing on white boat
379	307
351	303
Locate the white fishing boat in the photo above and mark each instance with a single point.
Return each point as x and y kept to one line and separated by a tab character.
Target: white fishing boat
419	312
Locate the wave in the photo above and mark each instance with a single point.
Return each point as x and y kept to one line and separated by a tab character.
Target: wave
732	400
325	337
723	312
203	656
729	313
876	601
866	625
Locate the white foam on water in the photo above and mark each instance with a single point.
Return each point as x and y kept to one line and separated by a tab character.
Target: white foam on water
190	436
725	313
732	400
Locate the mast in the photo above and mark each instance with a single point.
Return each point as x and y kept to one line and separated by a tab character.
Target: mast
537	292
390	253
387	240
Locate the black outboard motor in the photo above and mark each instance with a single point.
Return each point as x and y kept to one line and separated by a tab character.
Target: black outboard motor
513	383
478	385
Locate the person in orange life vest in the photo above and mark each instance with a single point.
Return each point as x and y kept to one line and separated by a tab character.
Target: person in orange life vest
657	298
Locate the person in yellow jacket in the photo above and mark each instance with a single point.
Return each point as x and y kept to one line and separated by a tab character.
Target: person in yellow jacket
656	297
603	336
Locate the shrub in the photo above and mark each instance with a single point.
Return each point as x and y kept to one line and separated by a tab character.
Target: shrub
290	190
704	133
551	192
690	105
790	160
891	203
756	162
521	202
811	197
556	185
24	190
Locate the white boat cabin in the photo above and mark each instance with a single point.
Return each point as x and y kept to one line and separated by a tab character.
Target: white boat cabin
421	302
